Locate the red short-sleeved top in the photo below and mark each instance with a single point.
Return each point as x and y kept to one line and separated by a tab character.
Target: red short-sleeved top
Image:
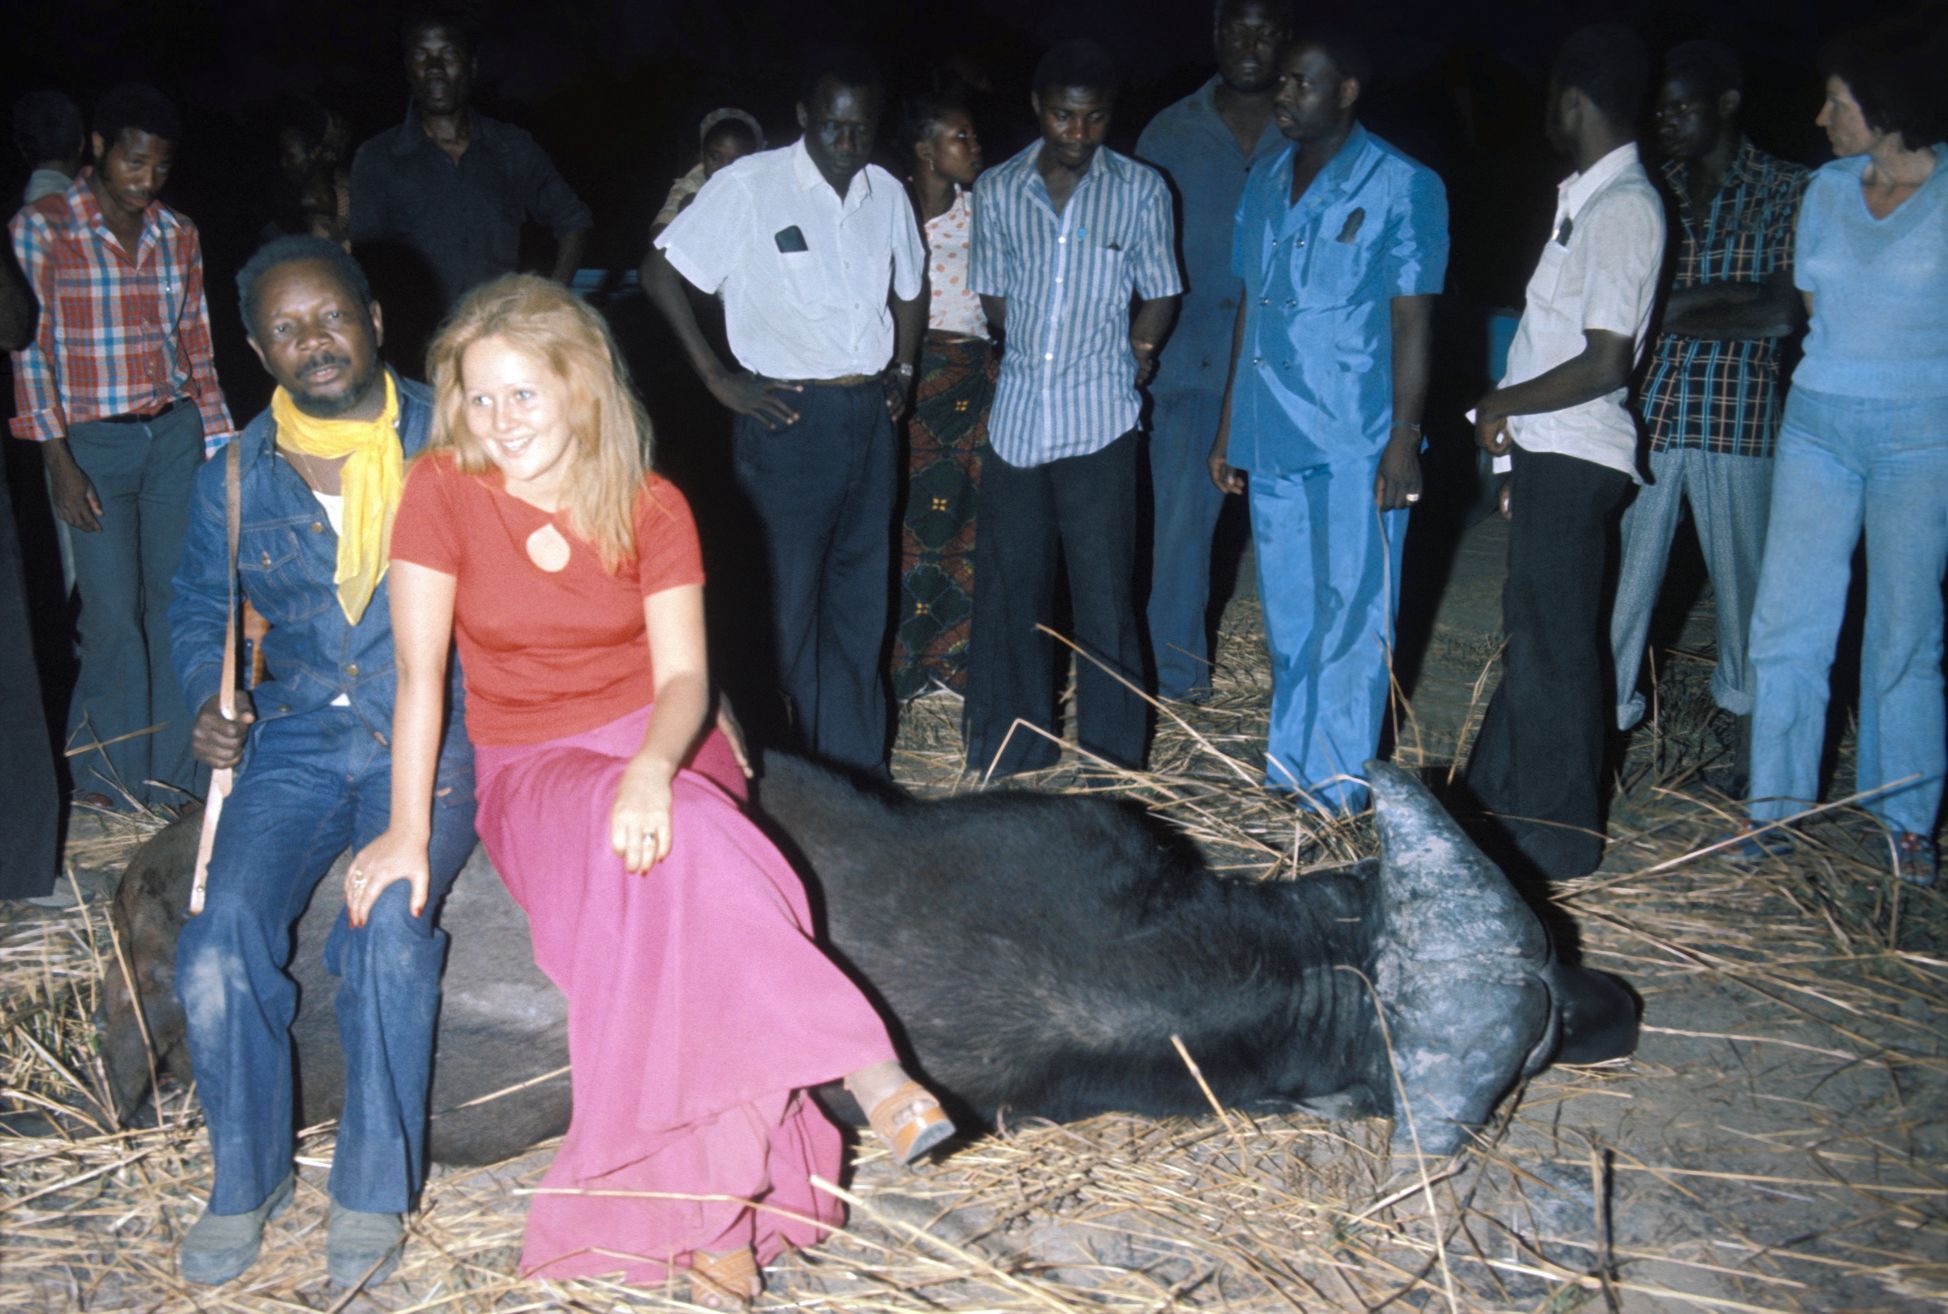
544	654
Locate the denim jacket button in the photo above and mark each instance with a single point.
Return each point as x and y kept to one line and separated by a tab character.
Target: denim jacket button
267	558
317	527
351	668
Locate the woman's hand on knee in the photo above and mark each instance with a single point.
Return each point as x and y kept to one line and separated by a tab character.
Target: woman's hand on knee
388	859
640	820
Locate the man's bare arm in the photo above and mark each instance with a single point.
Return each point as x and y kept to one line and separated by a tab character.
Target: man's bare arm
909	330
1412	324
736	390
1226	476
568	255
996	310
1768	309
1601	367
1152	320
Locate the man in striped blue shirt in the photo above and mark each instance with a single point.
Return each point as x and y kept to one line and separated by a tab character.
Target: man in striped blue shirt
1065	235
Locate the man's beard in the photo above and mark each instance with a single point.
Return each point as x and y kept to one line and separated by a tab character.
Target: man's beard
321	407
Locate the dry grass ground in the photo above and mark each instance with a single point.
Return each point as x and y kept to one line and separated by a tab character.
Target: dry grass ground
1780	1142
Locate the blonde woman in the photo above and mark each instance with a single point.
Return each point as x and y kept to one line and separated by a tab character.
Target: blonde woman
700	1009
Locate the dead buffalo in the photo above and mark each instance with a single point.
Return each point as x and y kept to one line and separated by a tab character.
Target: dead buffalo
1036	954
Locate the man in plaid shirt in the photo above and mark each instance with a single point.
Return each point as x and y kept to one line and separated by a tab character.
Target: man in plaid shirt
1711	397
118	387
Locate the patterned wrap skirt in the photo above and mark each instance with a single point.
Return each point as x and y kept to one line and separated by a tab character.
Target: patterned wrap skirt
945	441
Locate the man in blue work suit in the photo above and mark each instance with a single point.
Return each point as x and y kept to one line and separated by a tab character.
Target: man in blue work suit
1341	242
1205	144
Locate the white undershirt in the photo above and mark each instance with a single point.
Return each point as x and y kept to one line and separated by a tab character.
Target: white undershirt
334	505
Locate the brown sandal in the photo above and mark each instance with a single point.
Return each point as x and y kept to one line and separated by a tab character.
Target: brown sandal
910	1122
723	1281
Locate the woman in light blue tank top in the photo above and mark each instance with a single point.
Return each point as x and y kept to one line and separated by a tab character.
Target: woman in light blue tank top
1864	447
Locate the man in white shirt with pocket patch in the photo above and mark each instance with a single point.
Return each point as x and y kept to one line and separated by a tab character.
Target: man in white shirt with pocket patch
1561	416
822	273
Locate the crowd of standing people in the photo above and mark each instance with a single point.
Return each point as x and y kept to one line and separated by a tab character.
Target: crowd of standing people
478	609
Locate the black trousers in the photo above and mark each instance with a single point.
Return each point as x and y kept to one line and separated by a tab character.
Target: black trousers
823	493
29	821
1537	764
1082	511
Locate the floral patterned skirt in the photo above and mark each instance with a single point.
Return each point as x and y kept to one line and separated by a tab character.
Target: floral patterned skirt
945	441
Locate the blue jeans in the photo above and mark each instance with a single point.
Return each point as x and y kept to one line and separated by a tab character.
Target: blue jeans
311	786
1846	463
142	472
1329	582
1187	505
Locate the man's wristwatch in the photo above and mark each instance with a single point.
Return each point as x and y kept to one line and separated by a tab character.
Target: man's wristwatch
904	369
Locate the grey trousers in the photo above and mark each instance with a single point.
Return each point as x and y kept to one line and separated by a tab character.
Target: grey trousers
1730	497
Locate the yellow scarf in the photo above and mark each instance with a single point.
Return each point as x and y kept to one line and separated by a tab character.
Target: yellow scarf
370	481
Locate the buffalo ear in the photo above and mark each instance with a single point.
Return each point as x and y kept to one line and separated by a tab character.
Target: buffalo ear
1436	876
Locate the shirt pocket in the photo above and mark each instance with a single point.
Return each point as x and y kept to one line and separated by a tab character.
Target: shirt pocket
1102	267
1343	248
800	275
1332	276
1549	282
270	566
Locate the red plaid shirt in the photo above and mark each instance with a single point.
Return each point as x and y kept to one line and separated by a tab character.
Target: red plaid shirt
116	335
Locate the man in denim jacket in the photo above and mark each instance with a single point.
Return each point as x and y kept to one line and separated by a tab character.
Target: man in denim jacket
315	776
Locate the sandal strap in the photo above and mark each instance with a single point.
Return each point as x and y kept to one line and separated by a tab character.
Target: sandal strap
726	1276
910	1121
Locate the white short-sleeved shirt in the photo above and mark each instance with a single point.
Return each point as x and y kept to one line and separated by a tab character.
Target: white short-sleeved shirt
803	276
1599	270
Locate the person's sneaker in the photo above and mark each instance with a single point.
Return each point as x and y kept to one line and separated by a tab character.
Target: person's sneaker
1915	860
361	1247
218	1247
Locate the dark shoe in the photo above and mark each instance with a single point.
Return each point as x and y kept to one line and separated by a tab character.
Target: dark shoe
1915	860
1727	780
1751	845
218	1247
361	1249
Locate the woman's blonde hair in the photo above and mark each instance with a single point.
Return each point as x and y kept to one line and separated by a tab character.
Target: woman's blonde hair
609	432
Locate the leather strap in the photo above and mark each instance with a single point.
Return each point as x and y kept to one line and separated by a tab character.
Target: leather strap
221	778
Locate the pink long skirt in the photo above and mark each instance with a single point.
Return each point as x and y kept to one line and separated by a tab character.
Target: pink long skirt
699	1010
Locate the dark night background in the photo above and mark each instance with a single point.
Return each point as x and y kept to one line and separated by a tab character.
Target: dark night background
613	90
